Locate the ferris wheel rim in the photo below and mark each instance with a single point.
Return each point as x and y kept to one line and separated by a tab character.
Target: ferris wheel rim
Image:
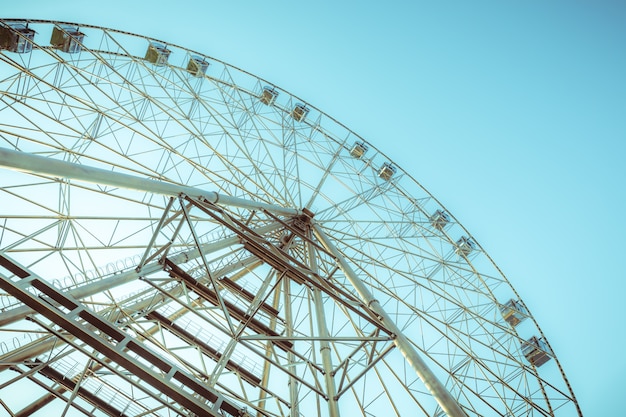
400	172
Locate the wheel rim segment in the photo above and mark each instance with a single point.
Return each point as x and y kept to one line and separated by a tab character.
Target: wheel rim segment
105	105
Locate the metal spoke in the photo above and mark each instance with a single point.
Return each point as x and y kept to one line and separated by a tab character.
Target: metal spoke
181	237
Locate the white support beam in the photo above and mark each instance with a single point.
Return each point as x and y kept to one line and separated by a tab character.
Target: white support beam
113	346
36	164
114	280
325	348
439	392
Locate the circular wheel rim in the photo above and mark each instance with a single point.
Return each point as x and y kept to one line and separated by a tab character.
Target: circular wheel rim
309	343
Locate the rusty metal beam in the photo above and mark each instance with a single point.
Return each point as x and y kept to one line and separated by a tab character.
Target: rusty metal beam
208	295
112	342
204	347
71	385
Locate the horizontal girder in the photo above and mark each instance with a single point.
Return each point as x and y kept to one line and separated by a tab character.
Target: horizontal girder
35	164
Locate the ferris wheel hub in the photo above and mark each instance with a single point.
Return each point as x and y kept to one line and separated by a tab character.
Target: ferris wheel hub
113	139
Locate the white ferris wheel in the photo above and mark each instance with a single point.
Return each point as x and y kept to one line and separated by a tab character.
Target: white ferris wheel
180	237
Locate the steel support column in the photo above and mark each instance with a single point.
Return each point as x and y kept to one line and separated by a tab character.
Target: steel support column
98	286
439	392
162	376
35	164
325	351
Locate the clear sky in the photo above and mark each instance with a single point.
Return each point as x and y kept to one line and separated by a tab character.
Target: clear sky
512	114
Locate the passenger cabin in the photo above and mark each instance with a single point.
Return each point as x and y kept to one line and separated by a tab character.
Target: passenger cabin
439	219
464	246
358	150
17	38
67	39
513	312
536	351
157	54
268	96
197	66
386	171
299	112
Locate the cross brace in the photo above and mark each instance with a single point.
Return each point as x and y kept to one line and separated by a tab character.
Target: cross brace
113	343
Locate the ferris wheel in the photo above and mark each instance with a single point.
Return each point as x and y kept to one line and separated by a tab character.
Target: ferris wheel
180	237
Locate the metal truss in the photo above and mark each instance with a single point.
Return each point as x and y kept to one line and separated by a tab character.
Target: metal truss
180	237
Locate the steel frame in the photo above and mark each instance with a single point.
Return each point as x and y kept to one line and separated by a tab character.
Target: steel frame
175	228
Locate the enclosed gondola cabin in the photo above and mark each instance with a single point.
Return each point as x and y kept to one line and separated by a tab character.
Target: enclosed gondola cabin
268	96
536	351
358	150
197	66
439	219
67	39
299	112
464	246
17	38
157	54
386	171
513	312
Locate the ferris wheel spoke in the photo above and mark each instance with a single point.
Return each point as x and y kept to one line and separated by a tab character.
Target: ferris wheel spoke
78	133
191	131
234	129
341	209
427	283
301	271
262	125
443	323
327	172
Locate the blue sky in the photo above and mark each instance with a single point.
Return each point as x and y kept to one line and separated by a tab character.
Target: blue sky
512	114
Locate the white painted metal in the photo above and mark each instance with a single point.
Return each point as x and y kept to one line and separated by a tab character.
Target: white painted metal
122	132
36	164
430	380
